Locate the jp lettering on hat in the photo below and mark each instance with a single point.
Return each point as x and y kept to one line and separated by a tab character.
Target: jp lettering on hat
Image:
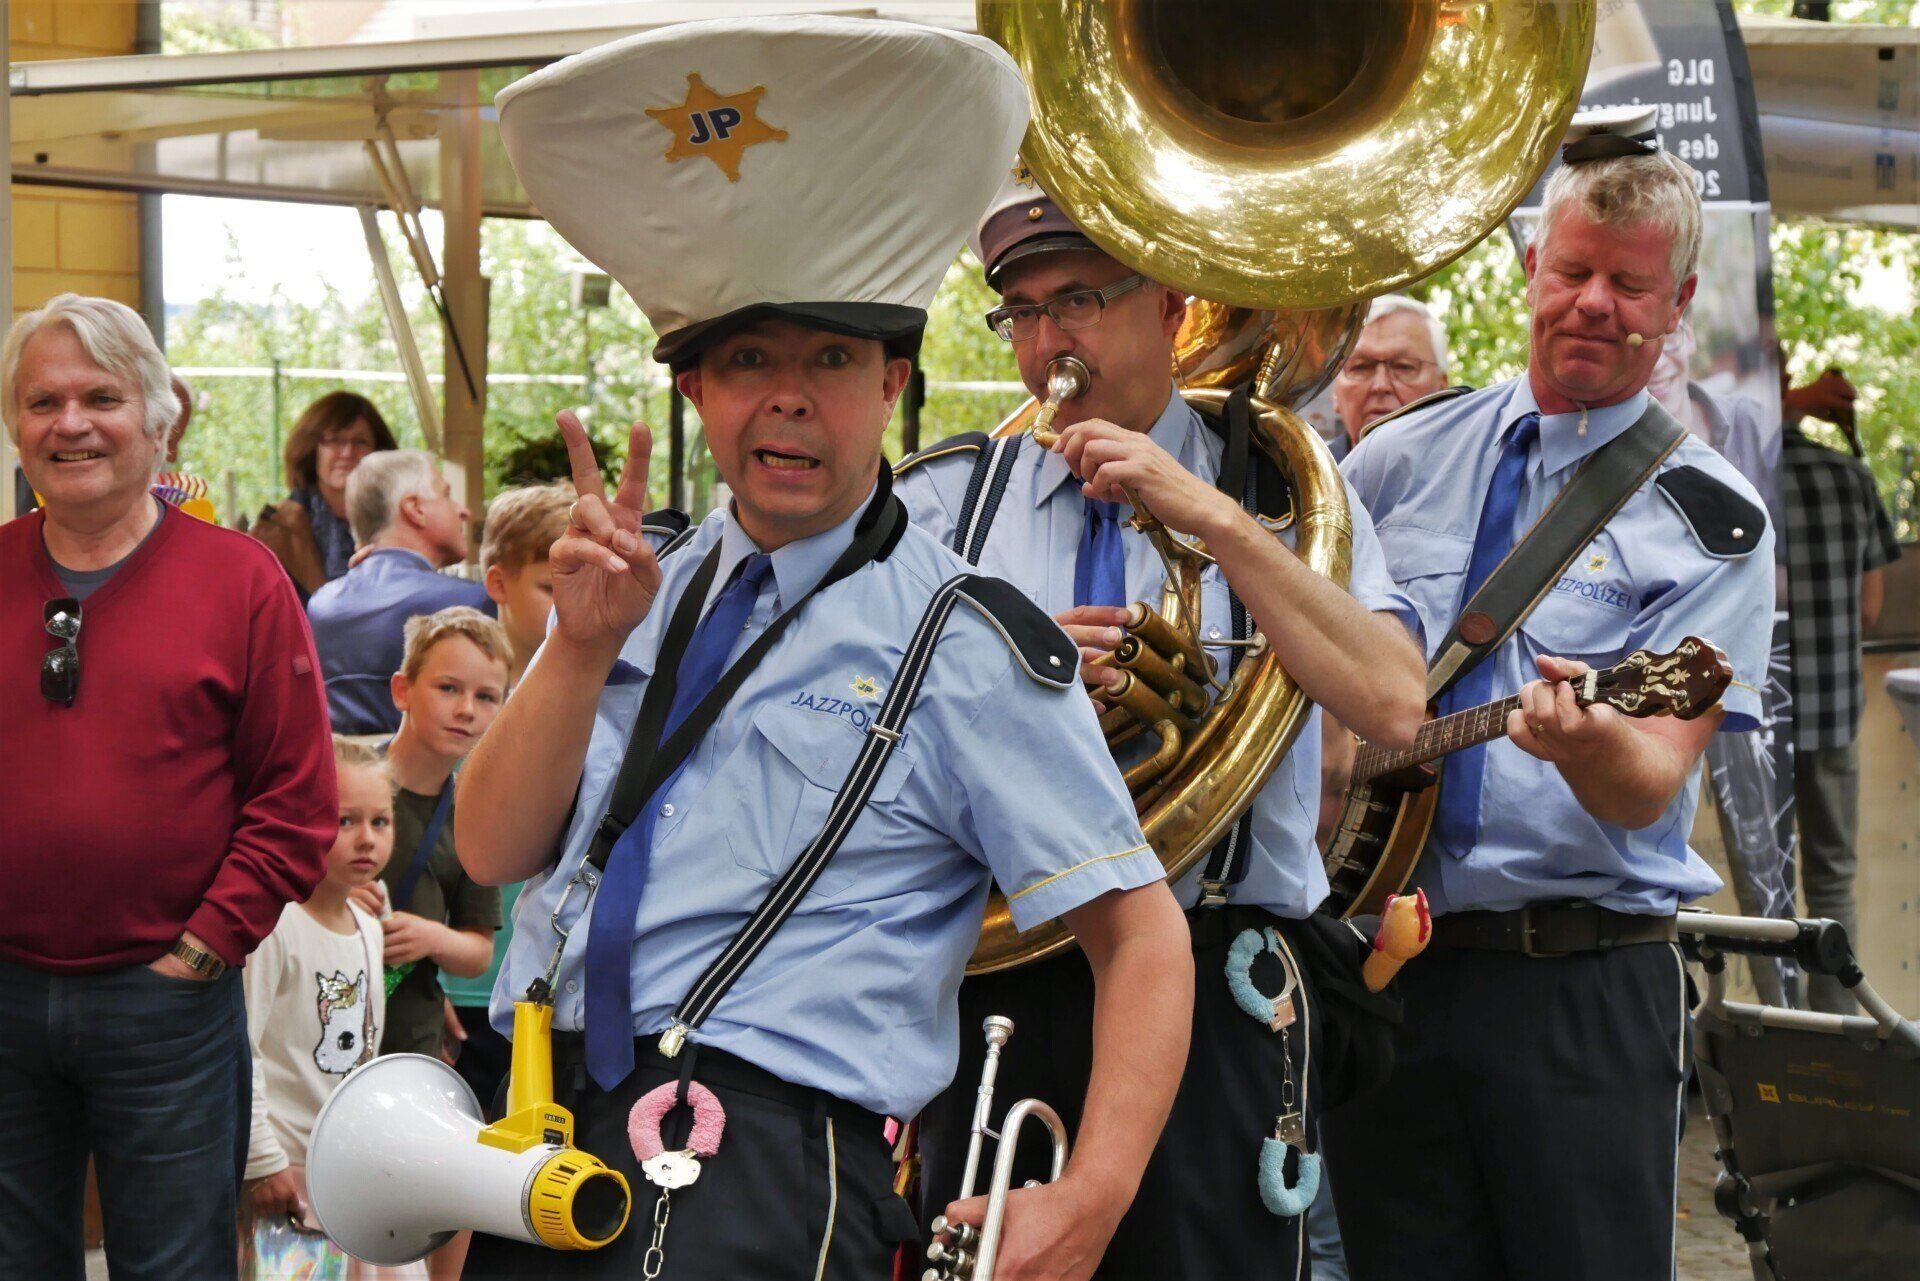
1609	133
1022	220
822	170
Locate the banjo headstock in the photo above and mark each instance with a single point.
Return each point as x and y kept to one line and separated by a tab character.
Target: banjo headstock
1683	683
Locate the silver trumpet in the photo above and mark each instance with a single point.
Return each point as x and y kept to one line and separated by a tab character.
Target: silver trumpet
959	1252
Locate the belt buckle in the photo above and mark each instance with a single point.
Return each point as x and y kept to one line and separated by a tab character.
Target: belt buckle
1529	934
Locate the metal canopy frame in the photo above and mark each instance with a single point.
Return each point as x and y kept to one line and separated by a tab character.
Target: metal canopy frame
299	125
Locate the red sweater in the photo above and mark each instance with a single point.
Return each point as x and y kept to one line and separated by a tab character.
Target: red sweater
190	786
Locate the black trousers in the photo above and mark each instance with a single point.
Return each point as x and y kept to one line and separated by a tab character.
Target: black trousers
485	1056
802	1186
1198	1213
1530	1129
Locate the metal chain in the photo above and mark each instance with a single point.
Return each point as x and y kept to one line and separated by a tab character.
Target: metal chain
656	1256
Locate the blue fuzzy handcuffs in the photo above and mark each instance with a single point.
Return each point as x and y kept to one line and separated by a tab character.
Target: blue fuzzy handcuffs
1283	1199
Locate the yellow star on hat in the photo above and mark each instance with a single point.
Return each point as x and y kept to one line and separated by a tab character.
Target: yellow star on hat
717	126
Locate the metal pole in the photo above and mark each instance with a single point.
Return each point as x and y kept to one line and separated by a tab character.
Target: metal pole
153	292
676	448
401	330
916	398
276	409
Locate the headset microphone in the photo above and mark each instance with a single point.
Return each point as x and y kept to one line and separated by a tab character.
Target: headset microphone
1634	340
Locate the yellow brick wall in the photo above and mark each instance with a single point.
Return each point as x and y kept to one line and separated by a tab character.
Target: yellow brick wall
64	239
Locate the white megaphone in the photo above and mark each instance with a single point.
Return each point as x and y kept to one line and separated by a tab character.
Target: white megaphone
401	1159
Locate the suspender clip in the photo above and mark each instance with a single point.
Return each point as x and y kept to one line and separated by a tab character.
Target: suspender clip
673	1039
1212	894
882	732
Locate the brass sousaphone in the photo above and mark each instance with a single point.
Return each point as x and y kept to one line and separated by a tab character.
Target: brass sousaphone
1282	161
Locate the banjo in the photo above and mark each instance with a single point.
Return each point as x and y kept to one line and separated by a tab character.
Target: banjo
1391	800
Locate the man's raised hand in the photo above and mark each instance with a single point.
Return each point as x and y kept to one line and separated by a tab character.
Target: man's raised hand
604	574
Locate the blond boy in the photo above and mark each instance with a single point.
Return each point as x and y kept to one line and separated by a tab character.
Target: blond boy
521	525
449	688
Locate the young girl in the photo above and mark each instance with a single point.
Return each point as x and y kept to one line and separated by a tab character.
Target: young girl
315	1002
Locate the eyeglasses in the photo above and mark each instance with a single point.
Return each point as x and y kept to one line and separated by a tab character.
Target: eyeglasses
1076	310
60	669
1399	372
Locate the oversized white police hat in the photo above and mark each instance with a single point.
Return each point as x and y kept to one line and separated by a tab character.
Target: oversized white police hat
823	169
1607	133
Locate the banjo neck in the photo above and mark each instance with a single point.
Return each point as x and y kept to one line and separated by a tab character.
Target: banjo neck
1437	738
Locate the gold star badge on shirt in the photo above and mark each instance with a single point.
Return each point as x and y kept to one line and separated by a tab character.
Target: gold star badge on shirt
717	126
866	687
1596	562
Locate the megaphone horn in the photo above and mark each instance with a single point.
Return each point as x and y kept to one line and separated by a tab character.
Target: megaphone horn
396	1167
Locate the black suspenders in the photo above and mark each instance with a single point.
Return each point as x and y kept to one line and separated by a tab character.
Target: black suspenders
784	898
992	469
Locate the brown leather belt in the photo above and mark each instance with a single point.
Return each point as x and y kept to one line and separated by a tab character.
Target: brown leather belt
1551	929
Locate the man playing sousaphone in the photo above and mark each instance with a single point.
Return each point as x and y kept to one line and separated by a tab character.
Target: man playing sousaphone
1539	1084
830	730
1054	522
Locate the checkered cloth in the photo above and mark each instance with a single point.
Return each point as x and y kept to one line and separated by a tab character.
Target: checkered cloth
1836	531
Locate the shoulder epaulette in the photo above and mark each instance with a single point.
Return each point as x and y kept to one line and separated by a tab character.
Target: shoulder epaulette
967	443
1721	518
1043	651
667	527
1420	402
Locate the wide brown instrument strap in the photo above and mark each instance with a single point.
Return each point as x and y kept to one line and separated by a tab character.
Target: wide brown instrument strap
1610	476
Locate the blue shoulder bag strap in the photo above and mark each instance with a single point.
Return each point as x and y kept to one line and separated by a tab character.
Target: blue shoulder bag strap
423	852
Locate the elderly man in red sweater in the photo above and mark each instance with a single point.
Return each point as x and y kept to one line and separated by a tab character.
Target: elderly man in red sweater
166	788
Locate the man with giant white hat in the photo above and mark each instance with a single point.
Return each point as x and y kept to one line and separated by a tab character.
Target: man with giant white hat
797	744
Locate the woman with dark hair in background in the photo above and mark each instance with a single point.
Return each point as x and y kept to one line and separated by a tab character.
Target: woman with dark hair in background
308	532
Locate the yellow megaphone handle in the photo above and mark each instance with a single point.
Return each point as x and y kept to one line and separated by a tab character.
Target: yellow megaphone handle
532	1115
575	1202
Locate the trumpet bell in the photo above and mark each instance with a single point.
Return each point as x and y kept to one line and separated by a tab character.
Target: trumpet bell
1290	154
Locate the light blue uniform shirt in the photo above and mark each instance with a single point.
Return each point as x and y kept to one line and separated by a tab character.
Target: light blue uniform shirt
1034	542
997	774
1645	582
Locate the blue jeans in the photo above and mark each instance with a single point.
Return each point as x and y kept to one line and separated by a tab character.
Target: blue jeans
1323	1234
151	1076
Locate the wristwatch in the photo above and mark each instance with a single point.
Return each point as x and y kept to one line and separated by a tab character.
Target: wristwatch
205	964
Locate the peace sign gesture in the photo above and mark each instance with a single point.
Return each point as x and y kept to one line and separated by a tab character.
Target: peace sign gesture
604	574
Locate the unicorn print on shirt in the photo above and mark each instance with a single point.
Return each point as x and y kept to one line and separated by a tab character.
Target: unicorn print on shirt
346	1023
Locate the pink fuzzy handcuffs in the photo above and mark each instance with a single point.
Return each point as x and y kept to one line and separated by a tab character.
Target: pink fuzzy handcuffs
643	1123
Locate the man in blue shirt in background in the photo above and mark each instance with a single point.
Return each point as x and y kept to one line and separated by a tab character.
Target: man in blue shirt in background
409	527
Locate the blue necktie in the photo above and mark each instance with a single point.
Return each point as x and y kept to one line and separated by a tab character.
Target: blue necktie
1100	570
1456	825
616	905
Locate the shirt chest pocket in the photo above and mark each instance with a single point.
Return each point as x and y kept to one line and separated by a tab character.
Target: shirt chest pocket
796	763
1568	625
1430	569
